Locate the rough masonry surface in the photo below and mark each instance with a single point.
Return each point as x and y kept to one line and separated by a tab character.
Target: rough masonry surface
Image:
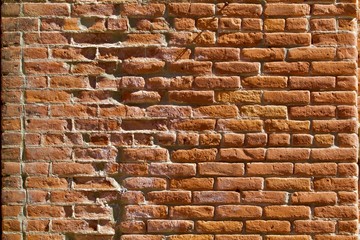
168	120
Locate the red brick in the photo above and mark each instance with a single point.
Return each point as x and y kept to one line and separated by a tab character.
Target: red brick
240	39
192	183
221	197
292	10
263	197
242	154
166	226
239	10
41	9
287	212
191	10
93	9
314	226
287	39
194	155
271	226
238	211
309	198
219	226
288	184
260	169
227	183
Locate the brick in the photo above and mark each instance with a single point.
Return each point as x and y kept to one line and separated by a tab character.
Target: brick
323	24
332	39
296	24
316	112
45	211
285	68
290	97
264	81
239	96
287	212
207	23
312	83
137	10
287	126
265	54
236	211
168	111
292	237
344	97
72	169
197	212
221	197
93	9
192	183
217	54
228	183
217	111
172	169
210	139
309	198
336	212
263	197
240	39
218	226
300	54
260	169
142	66
191	237
168	226
120	24
252	24
237	68
238	237
341	237
334	184
194	155
145	154
334	155
287	9
239	10
255	139
343	126
288	184
242	154
335	9
271	226
314	226
138	38
45	68
285	154
145	212
221	169
184	24
141	237
188	139
287	39
334	68
193	125
10	9
40	9
46	183
191	10
204	38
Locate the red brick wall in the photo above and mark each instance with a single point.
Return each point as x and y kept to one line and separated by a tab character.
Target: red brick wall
179	121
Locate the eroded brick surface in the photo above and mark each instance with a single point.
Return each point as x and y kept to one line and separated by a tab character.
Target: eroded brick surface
169	120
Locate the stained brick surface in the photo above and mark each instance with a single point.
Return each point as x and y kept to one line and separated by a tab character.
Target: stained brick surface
168	120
